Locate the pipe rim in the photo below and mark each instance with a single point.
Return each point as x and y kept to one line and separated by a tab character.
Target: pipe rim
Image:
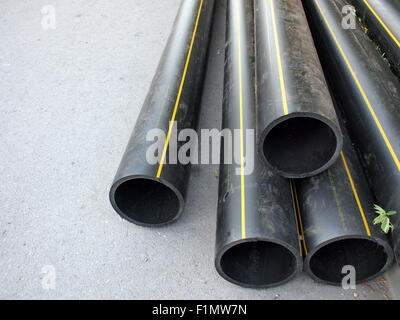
295	254
384	244
161	181
334	128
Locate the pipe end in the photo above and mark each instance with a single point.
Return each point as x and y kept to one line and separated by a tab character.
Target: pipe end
256	263
369	256
146	201
300	145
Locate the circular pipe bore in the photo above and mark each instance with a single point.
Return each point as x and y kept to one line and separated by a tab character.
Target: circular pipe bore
299	146
146	201
369	257
257	263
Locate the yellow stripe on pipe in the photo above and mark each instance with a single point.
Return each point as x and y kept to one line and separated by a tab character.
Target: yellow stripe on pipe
382	23
301	223
367	102
355	194
295	216
278	55
241	128
171	124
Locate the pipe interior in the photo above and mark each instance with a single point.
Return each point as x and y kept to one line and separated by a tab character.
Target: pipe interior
147	201
258	263
300	145
367	257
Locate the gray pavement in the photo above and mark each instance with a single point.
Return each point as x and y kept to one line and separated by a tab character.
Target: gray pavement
69	100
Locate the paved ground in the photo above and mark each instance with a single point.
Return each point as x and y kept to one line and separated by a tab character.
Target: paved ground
69	99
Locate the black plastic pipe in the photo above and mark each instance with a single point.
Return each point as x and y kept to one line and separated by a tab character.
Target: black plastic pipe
382	18
337	213
257	244
368	94
153	194
299	132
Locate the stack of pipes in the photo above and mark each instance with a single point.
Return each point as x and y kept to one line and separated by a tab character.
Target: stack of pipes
314	99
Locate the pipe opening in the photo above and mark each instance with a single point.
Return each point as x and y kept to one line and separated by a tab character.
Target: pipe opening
258	263
300	145
147	201
367	257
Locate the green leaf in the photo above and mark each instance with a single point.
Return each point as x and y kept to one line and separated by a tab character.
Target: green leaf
383	218
379	219
379	210
386	225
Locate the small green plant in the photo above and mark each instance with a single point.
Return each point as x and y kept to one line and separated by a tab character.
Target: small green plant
383	219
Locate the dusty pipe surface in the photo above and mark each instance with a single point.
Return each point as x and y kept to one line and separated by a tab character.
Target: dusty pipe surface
257	243
153	194
382	18
368	94
299	134
337	214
